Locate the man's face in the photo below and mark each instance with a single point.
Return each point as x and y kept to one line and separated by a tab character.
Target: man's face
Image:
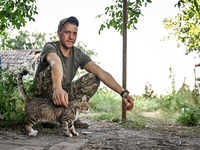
68	35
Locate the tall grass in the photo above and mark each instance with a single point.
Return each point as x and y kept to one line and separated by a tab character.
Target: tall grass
182	106
105	105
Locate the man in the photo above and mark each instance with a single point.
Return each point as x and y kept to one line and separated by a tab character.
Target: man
57	67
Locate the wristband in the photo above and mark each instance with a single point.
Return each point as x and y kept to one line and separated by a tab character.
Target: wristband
125	96
124	92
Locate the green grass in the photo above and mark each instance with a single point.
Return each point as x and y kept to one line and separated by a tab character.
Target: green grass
107	105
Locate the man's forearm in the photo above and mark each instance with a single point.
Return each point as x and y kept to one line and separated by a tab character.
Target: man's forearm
56	69
104	76
57	74
108	80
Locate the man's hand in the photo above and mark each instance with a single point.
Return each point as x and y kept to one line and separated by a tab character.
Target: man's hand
60	97
129	103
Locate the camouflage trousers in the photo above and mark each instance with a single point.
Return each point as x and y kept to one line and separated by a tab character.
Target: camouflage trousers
85	85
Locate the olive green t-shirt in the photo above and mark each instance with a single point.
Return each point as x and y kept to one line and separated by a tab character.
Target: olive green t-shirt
76	59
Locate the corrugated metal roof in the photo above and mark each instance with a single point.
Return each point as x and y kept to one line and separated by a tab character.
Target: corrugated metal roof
14	59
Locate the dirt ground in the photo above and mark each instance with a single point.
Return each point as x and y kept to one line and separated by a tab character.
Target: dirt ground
102	135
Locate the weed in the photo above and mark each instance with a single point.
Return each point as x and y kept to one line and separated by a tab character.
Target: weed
149	92
172	78
189	116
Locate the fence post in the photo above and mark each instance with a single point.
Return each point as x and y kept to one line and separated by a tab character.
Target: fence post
124	55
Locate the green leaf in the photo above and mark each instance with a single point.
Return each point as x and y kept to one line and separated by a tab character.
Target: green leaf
101	28
111	7
191	14
149	1
7	14
130	3
107	9
197	6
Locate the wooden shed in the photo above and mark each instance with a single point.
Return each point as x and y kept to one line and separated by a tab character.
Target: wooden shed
14	59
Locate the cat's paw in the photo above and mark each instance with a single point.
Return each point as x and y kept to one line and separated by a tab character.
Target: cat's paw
76	134
33	132
69	135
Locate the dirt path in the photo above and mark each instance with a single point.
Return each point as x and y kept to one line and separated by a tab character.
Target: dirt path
104	135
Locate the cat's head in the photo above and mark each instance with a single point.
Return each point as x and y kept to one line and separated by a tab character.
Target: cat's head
83	105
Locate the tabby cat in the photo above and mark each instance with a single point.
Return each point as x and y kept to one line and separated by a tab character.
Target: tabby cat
43	109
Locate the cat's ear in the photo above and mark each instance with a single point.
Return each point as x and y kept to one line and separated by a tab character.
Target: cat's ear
84	98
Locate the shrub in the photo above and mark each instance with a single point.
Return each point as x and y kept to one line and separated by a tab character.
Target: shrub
11	103
149	92
189	116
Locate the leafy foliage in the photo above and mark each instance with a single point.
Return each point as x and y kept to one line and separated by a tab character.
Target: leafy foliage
190	115
186	25
115	13
25	40
149	92
13	13
10	104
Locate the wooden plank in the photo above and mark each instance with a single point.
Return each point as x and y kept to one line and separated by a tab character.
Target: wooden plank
124	55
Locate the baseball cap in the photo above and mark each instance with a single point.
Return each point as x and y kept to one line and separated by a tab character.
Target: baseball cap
70	19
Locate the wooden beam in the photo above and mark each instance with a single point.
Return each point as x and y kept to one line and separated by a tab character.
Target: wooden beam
124	55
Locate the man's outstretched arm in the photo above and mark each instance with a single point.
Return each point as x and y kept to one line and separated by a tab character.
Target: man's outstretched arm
108	80
60	97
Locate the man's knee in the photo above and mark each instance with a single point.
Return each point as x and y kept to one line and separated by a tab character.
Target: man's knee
94	79
92	85
86	85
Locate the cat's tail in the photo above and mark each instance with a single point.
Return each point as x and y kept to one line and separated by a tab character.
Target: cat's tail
21	85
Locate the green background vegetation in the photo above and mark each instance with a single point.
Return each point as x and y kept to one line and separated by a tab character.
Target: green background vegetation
176	107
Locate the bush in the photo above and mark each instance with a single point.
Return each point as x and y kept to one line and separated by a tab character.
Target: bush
189	115
149	93
11	102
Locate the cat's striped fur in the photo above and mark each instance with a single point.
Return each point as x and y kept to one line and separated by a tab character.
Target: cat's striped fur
43	109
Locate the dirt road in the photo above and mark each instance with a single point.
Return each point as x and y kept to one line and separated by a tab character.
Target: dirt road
104	135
